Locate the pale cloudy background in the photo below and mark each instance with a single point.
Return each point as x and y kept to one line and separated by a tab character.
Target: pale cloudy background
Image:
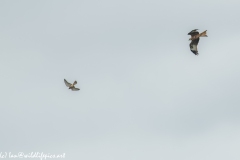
144	94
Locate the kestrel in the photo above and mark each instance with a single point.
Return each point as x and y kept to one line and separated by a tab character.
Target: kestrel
71	86
195	39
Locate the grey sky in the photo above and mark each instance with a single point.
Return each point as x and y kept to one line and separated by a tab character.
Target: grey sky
144	94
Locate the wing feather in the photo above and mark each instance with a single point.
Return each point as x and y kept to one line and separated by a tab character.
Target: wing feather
75	89
193	46
67	83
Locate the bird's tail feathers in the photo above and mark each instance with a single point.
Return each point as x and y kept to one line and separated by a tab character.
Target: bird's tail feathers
75	82
203	34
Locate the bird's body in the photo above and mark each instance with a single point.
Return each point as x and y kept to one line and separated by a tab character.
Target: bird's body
195	39
71	86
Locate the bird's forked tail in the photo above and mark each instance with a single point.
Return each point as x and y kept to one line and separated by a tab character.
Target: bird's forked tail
203	34
75	82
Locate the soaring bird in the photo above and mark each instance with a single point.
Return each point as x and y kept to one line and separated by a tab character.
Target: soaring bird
71	86
195	39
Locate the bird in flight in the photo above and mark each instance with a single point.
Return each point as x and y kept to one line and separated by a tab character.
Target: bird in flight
71	86
195	39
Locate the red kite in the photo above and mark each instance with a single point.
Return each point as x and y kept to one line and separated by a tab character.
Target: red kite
71	86
195	39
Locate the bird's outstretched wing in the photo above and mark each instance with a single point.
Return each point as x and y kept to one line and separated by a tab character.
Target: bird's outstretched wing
67	83
75	89
193	46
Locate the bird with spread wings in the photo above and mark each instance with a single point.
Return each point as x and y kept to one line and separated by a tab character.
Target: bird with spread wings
71	86
195	39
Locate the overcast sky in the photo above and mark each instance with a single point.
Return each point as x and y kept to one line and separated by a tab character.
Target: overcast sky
144	95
